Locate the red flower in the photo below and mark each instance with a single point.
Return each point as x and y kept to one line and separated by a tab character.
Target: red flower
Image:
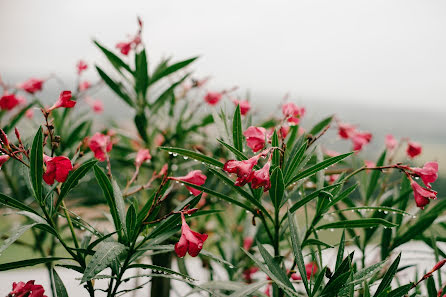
9	101
142	156
212	98
413	149
422	195
3	159
310	268
32	85
29	289
247	243
124	47
247	274
195	177
293	113
100	144
63	101
360	139
346	131
57	168
190	241
81	67
244	106
332	178
391	142
255	138
260	178
242	169
85	85
428	174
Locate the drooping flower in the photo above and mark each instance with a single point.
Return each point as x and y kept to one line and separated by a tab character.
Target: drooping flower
242	169
29	289
142	156
360	139
100	144
195	177
3	159
310	269
422	195
190	241
81	66
63	101
57	168
212	98
346	131
245	106
413	149
84	85
261	178
9	101
32	85
391	142
255	138
428	174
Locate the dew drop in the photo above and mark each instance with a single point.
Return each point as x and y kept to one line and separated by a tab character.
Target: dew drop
331	230
174	154
185	158
386	212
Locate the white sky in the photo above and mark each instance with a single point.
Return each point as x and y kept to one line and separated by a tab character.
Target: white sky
368	52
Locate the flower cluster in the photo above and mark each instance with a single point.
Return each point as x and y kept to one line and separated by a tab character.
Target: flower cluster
29	289
358	138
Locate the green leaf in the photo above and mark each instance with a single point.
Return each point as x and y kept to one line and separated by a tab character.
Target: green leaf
73	179
115	87
276	153
158	268
341	248
191	154
321	125
131	222
319	166
335	284
237	133
29	262
141	74
277	188
375	176
387	278
238	154
107	189
248	289
58	285
15	234
422	224
431	290
362	223
114	59
120	206
310	197
166	70
312	241
400	292
36	165
13	121
14	203
141	125
294	160
297	250
159	102
107	253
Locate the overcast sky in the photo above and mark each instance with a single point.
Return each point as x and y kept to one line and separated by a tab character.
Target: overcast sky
368	52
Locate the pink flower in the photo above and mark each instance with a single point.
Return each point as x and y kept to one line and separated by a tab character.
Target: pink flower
81	67
212	98
291	110
84	85
57	168
29	113
3	159
260	178
244	106
100	144
247	274
310	268
255	138
9	101
283	131
29	289
346	131
96	105
195	177
124	47
247	243
391	142
190	241
421	194
242	169
142	156
32	85
360	139
428	174
63	101
413	149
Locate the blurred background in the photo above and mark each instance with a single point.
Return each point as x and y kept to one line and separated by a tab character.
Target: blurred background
380	64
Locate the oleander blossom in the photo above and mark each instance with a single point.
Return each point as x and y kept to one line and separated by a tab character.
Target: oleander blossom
81	66
57	168
391	142
293	113
195	177
422	195
84	85
212	98
346	131
242	169
413	149
261	178
142	156
255	138
247	243
126	47
245	106
32	85
63	101
29	289
100	144
3	159
428	174
190	241
9	101
310	269
359	139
